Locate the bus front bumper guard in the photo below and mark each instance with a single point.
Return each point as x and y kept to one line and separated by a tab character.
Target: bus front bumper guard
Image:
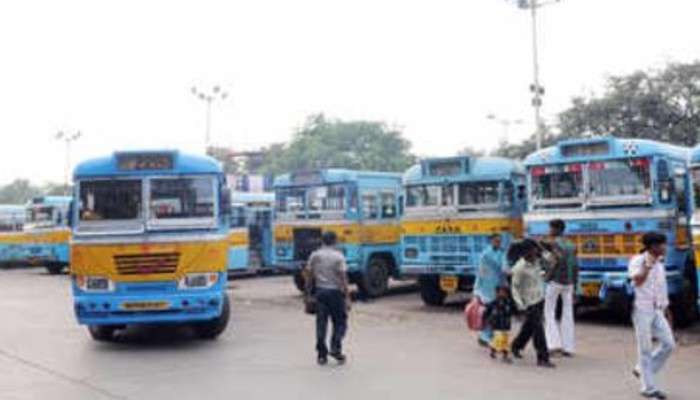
422	269
110	309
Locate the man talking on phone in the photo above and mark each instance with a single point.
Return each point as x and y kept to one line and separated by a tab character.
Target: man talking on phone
650	314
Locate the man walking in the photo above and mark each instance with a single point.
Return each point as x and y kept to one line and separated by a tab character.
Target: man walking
562	277
650	312
328	276
489	277
528	293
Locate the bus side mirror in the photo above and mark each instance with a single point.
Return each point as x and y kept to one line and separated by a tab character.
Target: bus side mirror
225	201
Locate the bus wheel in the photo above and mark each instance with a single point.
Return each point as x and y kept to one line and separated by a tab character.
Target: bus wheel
299	281
54	268
430	291
375	281
684	307
212	329
621	306
102	333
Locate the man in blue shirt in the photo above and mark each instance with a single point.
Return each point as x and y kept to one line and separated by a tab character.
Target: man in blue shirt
489	276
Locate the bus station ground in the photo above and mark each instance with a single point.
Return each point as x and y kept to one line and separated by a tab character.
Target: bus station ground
397	347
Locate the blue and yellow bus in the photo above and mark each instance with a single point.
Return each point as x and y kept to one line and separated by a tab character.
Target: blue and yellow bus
452	206
45	235
11	224
695	179
250	238
149	242
609	191
361	207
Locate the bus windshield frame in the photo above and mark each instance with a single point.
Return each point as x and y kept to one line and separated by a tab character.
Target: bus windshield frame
325	200
463	196
41	216
619	180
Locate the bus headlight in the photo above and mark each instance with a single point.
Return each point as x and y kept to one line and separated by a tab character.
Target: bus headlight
410	253
200	280
94	283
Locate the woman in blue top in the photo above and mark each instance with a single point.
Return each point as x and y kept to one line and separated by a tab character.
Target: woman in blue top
489	277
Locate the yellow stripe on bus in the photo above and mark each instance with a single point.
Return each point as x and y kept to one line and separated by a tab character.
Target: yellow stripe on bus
144	260
36	237
238	239
463	227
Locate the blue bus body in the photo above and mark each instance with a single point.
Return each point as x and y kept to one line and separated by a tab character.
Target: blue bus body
250	237
361	207
11	223
610	191
149	242
695	179
452	207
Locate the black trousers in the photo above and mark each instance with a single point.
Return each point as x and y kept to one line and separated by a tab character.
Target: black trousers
533	327
330	304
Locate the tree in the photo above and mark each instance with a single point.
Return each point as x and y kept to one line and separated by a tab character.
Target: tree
18	191
333	143
471	152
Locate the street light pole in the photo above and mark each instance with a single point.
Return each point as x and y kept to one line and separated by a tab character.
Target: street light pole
208	97
536	88
68	139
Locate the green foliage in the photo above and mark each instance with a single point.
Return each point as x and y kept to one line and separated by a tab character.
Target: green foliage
21	191
331	143
656	104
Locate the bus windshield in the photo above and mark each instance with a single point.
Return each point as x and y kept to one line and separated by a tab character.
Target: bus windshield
40	216
477	193
110	200
182	198
423	195
620	179
559	184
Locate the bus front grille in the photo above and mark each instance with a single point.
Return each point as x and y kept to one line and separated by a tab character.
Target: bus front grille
143	264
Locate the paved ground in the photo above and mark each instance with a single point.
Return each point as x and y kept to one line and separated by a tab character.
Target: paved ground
398	350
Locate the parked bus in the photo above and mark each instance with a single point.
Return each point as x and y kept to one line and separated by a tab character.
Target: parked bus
250	238
611	191
361	207
150	242
43	239
11	224
452	207
695	179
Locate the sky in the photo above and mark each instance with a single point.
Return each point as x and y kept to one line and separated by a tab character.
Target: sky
121	72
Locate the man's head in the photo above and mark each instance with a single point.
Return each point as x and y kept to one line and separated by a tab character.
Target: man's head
557	227
329	238
502	291
495	240
530	250
654	243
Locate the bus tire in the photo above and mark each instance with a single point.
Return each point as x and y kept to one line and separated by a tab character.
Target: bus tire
374	282
299	281
684	306
102	333
211	330
620	305
430	291
54	268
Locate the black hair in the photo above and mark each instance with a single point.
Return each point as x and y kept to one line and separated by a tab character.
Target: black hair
329	238
494	235
558	224
650	239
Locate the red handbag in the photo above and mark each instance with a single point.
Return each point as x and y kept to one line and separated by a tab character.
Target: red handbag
474	314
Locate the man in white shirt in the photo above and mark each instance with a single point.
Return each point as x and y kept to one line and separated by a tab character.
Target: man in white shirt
650	312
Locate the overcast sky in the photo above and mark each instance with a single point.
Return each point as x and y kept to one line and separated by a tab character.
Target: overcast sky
121	71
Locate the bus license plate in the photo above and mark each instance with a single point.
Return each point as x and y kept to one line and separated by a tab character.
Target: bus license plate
590	289
449	283
145	305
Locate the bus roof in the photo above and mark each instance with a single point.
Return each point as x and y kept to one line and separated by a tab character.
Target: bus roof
603	148
470	169
333	175
147	162
49	201
250	197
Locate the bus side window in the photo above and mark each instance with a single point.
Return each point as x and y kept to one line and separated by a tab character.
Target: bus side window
665	182
681	197
388	204
369	206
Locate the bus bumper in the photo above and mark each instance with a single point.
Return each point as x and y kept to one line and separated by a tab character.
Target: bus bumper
177	306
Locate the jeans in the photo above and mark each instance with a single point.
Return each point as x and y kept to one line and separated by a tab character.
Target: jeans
560	336
533	328
330	304
648	325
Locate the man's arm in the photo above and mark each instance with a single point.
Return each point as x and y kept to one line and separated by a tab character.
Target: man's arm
639	271
308	274
517	281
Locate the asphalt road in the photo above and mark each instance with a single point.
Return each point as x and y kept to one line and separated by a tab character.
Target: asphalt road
398	349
